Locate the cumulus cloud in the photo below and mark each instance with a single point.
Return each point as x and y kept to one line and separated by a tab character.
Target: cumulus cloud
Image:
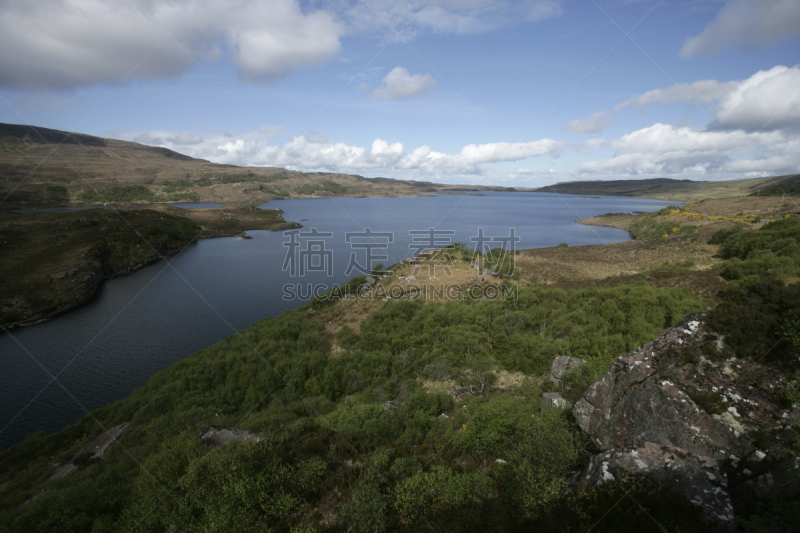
313	151
74	43
700	154
468	162
767	100
400	84
749	24
594	123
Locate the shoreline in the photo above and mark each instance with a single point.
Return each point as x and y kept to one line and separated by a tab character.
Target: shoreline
94	279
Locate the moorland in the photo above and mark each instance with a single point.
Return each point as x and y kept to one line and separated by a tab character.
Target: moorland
382	407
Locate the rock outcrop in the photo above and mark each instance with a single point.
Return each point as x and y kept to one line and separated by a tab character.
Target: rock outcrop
633	404
94	451
554	400
220	436
674	469
667	413
561	365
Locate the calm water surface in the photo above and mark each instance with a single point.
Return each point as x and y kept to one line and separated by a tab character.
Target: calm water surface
142	323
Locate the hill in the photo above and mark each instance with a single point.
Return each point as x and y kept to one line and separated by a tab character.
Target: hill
44	167
676	190
385	412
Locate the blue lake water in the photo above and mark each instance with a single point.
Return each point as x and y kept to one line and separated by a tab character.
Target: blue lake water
142	323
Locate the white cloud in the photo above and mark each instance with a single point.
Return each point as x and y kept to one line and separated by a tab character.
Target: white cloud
768	100
469	161
594	123
700	92
313	151
400	84
74	43
748	24
657	150
662	149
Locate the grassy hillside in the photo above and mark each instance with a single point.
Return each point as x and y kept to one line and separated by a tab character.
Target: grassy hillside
40	167
678	190
418	415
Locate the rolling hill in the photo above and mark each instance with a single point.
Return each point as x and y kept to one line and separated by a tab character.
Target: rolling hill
40	167
670	189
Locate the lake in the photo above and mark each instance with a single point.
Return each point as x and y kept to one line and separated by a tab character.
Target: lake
141	323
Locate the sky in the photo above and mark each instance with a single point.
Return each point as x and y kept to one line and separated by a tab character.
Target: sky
519	93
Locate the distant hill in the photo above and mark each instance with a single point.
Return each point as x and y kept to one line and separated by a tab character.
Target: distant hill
41	167
680	190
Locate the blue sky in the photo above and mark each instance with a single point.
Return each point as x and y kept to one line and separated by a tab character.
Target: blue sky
523	93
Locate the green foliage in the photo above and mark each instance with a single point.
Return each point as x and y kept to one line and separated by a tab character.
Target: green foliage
549	449
238	487
648	227
136	193
492	426
781	237
752	318
346	336
325	186
647	230
378	269
418	496
789	330
251	177
139	193
123	247
722	235
354	432
779	190
525	334
770	253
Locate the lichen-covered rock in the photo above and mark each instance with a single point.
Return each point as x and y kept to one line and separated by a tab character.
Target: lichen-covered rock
673	469
633	404
563	364
554	400
681	392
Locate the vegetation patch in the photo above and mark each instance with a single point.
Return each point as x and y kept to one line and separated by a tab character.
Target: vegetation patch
652	226
771	253
325	186
779	190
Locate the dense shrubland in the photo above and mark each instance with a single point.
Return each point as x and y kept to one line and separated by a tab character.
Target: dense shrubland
362	440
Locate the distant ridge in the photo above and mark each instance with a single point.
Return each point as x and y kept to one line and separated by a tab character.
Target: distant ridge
41	167
671	189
